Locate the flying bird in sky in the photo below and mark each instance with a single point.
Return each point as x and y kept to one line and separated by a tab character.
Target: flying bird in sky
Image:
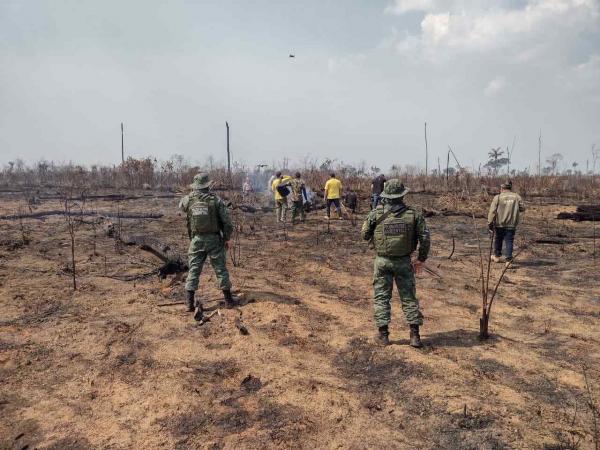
292	56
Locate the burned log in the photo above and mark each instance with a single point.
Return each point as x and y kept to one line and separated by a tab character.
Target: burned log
252	209
173	261
60	212
428	212
111	197
583	213
554	240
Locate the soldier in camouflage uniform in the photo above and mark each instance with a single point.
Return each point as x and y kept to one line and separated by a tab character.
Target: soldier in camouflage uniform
297	196
395	230
209	228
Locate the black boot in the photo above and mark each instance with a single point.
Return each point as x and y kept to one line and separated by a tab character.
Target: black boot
383	337
415	339
230	302
190	301
199	314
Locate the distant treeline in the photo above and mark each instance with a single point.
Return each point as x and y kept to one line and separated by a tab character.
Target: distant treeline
176	174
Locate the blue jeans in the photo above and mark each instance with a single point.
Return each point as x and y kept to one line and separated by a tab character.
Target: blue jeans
506	236
336	202
375	200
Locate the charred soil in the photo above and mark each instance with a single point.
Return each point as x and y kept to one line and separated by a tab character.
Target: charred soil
118	364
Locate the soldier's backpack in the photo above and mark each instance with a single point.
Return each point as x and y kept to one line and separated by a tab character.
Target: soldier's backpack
202	214
284	189
395	234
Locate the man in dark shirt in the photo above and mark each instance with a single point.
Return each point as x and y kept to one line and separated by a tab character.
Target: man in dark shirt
351	200
376	189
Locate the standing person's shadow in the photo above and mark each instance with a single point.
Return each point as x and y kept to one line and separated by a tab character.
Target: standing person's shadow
454	338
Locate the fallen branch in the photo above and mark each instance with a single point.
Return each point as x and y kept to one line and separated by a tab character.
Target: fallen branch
453	248
447	213
173	261
140	276
558	241
209	316
432	272
239	324
252	209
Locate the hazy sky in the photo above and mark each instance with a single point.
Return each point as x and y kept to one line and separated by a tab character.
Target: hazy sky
366	76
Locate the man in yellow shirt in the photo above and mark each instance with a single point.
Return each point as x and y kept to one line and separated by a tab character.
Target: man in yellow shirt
280	200
333	194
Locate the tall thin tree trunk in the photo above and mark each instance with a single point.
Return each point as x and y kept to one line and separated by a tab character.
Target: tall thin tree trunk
448	170
72	231
540	154
122	145
426	153
228	156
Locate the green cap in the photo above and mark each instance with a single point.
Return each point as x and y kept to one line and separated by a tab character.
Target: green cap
394	189
201	181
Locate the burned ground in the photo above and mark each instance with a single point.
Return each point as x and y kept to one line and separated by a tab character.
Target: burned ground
116	365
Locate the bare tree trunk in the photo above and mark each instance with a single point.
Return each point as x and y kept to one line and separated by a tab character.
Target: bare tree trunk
426	153
122	145
540	154
228	157
24	238
94	226
447	170
484	321
72	232
70	219
594	225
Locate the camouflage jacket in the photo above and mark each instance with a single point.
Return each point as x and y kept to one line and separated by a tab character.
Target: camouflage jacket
224	219
297	184
421	230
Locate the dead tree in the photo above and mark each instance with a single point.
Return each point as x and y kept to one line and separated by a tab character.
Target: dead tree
24	238
426	154
591	403
488	297
73	223
235	248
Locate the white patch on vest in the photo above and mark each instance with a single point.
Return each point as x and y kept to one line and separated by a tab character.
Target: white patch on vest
199	209
394	229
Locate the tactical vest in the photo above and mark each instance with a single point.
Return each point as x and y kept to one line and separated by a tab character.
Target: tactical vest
202	214
396	235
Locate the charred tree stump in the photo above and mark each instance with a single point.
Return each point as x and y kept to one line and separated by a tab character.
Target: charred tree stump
173	261
484	321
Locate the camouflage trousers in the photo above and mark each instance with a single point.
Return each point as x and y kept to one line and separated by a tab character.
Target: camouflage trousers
281	210
202	247
298	210
386	271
